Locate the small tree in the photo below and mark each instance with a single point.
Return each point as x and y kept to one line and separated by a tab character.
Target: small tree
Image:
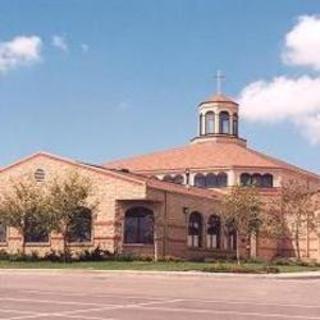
241	209
25	202
68	195
297	207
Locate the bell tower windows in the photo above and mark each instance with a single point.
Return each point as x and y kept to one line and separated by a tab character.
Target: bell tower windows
210	125
224	122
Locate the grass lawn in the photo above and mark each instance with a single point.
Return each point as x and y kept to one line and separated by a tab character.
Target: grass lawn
160	266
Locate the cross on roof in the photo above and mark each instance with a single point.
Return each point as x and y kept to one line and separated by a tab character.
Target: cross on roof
219	78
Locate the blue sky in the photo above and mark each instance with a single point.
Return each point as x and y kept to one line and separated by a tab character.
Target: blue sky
132	73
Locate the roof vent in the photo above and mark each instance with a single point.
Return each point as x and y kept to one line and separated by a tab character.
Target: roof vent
39	175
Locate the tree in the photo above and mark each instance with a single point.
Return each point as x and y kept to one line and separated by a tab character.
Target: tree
68	201
241	210
297	206
24	207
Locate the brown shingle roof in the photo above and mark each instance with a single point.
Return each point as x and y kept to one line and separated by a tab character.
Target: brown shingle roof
204	155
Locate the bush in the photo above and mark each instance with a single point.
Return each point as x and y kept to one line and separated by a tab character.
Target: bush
171	259
4	255
54	256
241	269
94	255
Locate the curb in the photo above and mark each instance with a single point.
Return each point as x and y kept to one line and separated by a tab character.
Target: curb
183	274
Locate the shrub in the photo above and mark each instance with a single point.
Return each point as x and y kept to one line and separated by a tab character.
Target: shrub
94	255
4	255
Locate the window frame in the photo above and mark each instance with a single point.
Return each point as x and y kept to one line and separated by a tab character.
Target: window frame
214	222
72	240
210	122
224	118
138	214
195	222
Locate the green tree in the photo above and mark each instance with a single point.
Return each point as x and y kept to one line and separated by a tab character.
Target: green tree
69	197
24	207
296	207
242	210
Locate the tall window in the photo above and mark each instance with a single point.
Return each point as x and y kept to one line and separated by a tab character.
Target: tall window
209	122
195	230
167	178
3	233
235	125
211	180
213	232
80	227
200	180
224	122
139	226
256	180
34	231
245	179
222	180
178	179
267	181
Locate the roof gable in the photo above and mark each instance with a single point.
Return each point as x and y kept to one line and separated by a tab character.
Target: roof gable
127	176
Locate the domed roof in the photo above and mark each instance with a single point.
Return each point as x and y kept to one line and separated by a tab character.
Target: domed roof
221	98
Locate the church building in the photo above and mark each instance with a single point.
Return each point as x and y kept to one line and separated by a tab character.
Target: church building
166	202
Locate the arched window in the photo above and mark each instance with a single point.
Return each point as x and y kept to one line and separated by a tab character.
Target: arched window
138	226
178	179
195	230
80	226
222	180
34	231
211	180
267	180
235	125
200	124
245	179
224	122
200	180
3	233
213	232
256	180
231	236
167	178
209	122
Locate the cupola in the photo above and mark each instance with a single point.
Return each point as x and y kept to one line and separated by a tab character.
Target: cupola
218	117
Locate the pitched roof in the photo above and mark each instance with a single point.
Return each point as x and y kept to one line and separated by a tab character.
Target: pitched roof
204	155
128	176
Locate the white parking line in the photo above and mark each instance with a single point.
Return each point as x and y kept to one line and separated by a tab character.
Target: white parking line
256	303
77	313
93	294
58	302
235	313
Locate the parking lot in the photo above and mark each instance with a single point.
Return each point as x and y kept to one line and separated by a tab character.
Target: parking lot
90	295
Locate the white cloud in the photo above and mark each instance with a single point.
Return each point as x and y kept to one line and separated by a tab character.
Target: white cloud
302	43
60	42
20	51
310	126
84	47
287	98
280	99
